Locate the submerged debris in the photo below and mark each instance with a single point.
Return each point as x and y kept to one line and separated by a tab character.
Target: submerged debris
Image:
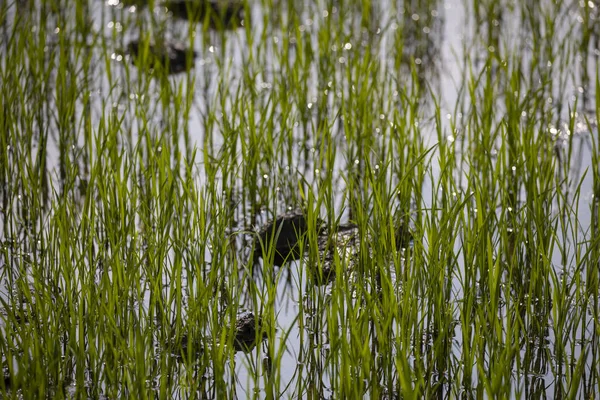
281	238
246	329
220	14
173	58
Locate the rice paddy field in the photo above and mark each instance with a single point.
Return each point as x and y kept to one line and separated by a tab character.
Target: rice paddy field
146	146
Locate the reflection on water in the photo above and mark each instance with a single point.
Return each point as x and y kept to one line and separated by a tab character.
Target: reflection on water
428	63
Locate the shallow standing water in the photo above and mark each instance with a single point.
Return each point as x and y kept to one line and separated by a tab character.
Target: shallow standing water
304	100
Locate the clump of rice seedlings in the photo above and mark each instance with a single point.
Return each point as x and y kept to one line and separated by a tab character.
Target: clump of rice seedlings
445	162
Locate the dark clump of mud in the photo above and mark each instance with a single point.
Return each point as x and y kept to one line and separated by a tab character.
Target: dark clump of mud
172	58
247	328
280	238
344	241
219	14
189	345
404	236
246	336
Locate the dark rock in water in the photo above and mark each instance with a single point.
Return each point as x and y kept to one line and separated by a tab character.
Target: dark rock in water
172	57
281	237
246	330
220	14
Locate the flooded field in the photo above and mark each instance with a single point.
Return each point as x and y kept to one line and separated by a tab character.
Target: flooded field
279	199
